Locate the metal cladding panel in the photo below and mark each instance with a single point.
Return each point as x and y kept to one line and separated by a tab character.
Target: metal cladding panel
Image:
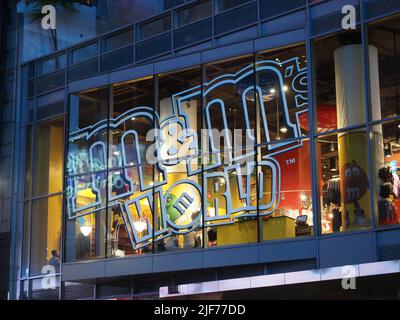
377	8
178	261
127	266
346	249
287	250
230	256
81	271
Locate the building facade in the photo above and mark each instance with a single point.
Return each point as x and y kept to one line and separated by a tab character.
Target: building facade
212	141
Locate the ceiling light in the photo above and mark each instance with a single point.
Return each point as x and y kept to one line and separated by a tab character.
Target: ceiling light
333	164
284	130
86	230
140	226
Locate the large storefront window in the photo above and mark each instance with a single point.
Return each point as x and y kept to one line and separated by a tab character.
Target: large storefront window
172	162
384	43
344	185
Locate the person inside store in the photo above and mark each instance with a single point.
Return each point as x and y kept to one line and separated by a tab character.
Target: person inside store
55	260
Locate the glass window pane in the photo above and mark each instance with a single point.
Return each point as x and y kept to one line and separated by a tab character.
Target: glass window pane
180	200
50	82
192	33
272	8
50	105
194	13
46	233
84	69
117	59
339	82
87	152
386	163
231	199
131	220
172	3
286	211
229	160
49	156
87	109
133	103
118	40
344	185
227	4
153	47
237	18
384	57
229	108
86	236
132	210
52	64
155	27
85	53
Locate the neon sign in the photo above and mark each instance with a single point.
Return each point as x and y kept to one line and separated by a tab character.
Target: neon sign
180	205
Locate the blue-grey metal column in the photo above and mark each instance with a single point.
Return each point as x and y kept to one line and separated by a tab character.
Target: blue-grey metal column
313	124
367	92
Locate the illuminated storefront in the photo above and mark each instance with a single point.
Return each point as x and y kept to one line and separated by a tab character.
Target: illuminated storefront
277	153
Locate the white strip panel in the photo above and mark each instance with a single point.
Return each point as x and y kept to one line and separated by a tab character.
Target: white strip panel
234	284
358	270
384	267
204	287
267	281
302	276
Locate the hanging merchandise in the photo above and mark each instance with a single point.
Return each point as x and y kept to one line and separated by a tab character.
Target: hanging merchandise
336	220
387	211
333	191
396	185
